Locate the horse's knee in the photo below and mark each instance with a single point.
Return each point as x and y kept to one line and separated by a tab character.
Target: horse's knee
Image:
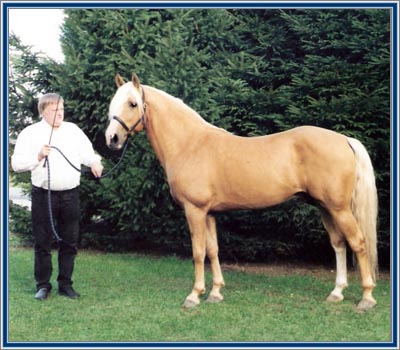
198	255
198	248
212	252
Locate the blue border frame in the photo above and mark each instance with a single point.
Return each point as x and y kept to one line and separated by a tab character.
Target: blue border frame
393	5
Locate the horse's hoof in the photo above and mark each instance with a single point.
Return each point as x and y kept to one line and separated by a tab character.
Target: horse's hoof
189	304
214	299
333	298
365	305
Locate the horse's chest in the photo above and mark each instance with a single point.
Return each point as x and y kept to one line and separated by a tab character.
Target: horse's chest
194	188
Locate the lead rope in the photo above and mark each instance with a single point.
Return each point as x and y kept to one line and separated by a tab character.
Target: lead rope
53	229
51	218
47	162
104	175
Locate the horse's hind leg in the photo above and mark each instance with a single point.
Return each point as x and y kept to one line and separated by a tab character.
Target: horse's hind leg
347	224
339	246
212	253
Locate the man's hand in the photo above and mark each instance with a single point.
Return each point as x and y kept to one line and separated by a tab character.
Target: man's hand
97	169
44	152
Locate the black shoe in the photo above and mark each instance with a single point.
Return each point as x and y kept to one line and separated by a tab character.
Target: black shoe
42	294
68	292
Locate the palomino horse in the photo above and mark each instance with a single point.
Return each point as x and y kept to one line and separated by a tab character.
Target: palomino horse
209	170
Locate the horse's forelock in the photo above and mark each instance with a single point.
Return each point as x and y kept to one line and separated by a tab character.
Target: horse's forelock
124	93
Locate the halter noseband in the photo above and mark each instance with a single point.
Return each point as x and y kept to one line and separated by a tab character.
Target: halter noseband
129	131
142	118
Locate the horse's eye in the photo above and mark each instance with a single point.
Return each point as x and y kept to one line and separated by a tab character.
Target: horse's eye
132	104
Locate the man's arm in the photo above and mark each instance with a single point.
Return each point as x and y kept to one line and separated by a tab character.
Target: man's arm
26	157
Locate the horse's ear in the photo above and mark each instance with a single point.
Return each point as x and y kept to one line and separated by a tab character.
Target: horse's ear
135	81
118	80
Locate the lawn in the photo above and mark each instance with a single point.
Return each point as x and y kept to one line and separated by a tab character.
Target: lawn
136	298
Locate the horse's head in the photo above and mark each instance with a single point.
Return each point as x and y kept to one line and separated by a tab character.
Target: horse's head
126	112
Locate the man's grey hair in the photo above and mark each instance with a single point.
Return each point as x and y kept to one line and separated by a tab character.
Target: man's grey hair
47	99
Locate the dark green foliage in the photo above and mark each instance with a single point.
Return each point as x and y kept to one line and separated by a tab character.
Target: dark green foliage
20	222
251	72
30	74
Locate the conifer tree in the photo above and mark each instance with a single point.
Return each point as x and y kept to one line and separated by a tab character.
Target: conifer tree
252	72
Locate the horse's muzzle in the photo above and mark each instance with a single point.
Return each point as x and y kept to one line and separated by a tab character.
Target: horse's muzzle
114	139
114	143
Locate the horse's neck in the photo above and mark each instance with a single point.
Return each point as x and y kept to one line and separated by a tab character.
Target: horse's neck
171	125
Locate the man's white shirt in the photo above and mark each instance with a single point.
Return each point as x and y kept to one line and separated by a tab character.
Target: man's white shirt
69	139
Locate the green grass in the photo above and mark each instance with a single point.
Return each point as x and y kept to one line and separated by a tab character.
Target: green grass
129	297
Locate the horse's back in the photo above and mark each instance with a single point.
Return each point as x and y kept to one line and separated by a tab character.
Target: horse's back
302	145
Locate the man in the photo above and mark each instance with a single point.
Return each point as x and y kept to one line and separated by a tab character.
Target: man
33	153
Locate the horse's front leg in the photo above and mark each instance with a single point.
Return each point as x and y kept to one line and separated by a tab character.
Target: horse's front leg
197	225
212	253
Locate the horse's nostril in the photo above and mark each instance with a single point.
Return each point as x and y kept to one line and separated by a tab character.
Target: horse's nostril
114	139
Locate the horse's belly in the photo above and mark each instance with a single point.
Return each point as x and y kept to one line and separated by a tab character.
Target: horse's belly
253	194
247	204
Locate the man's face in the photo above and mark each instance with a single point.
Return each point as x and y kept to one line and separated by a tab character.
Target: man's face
54	114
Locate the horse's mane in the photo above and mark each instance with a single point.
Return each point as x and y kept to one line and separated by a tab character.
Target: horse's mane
188	111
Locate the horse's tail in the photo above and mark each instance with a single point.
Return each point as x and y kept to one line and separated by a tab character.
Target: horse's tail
365	202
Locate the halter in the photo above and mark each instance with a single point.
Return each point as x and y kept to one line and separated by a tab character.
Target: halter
142	118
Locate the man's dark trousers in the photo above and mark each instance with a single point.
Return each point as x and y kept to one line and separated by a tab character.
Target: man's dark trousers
66	213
